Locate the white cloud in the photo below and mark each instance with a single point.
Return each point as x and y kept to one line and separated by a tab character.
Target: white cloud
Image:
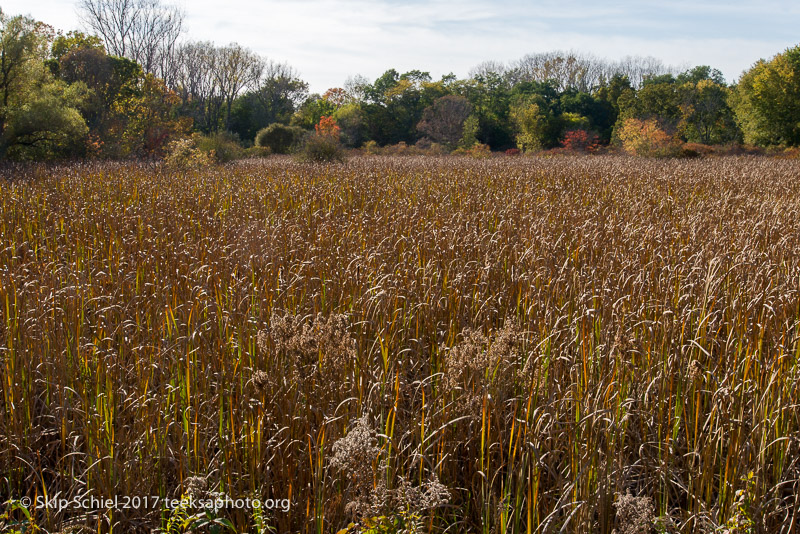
327	40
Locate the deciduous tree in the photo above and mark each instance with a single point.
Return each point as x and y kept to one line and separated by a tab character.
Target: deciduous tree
767	100
145	31
39	115
444	120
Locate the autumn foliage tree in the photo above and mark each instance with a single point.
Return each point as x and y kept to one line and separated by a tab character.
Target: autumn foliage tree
706	116
646	138
150	121
580	141
336	96
767	100
327	127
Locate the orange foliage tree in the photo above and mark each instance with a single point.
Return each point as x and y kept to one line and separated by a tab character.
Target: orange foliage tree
646	138
327	127
580	141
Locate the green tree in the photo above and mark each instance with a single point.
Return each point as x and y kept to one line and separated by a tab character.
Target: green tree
599	112
395	103
24	44
64	44
700	73
39	115
706	116
532	125
661	101
276	95
74	40
536	114
48	125
111	81
311	111
490	95
353	123
766	100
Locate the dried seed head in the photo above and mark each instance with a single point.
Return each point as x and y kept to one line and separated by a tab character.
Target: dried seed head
322	346
262	339
435	494
635	515
467	361
195	486
507	344
476	364
355	453
695	370
354	456
261	381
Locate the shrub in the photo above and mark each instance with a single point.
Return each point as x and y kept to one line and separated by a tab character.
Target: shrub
645	138
790	153
695	150
398	149
427	147
323	145
184	154
279	138
424	143
479	151
224	146
371	147
321	149
257	152
738	149
580	141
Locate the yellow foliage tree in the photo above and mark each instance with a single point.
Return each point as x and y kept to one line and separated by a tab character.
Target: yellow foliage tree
646	138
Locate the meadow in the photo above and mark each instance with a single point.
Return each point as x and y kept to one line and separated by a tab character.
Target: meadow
508	345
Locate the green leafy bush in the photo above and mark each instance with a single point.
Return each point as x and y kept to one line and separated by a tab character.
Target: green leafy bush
322	149
279	138
225	146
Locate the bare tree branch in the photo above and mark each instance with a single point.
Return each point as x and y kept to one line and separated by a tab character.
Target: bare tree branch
145	31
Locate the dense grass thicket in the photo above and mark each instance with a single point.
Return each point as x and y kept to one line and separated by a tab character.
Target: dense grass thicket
448	345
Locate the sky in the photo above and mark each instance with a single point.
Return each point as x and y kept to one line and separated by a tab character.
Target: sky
328	40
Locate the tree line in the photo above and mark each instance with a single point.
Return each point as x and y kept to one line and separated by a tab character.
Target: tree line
133	84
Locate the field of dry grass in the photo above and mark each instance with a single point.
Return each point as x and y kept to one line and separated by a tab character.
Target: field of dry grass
448	345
